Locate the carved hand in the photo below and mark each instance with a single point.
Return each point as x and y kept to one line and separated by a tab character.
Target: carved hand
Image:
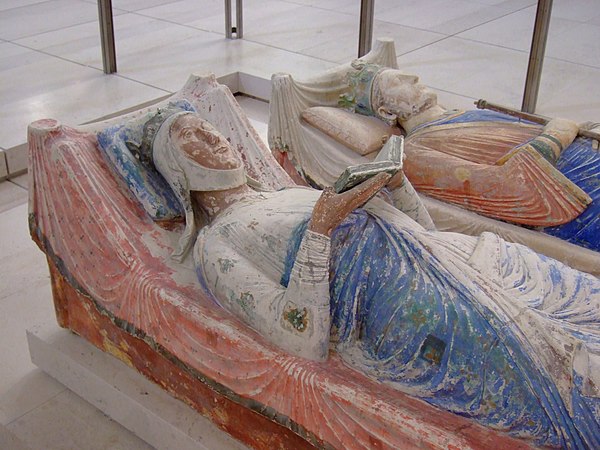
557	135
397	180
563	130
331	208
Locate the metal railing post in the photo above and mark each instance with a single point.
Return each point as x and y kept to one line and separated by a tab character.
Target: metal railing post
239	20
365	33
107	36
228	31
536	55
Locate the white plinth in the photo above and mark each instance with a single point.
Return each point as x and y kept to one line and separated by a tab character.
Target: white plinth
122	393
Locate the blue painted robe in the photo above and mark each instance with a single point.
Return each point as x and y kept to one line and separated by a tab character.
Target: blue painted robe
402	318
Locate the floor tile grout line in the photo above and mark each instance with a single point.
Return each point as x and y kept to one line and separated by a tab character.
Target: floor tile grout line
116	74
41	283
176	23
168	2
456	35
9	180
554	58
317	6
244	39
40	404
492	20
352	33
17	204
62	58
446	36
422	46
28	6
375	19
150	17
299	52
13	41
16	184
321	8
143	83
140	13
410	27
141	9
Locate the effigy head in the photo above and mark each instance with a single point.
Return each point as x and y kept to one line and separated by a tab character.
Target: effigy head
386	93
397	96
203	143
191	155
189	152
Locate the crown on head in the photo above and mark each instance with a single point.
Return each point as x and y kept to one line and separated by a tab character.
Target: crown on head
143	150
361	84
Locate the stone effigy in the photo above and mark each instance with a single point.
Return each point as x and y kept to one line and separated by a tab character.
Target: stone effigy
441	316
488	162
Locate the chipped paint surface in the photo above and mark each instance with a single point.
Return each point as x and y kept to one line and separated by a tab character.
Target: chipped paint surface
225	265
141	298
233	414
443	317
478	160
255	232
297	317
120	351
455	159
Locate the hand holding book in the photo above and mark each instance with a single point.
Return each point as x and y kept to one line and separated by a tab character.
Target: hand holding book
389	160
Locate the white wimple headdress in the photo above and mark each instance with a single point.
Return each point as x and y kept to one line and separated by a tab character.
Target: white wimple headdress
184	175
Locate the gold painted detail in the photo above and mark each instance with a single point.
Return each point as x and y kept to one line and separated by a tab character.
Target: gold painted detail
120	351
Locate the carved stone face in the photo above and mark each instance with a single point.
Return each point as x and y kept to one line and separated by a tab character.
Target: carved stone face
203	143
400	96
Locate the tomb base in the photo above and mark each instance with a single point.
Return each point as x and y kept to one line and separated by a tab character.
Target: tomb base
213	421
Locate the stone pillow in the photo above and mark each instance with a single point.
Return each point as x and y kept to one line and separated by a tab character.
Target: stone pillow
146	185
362	134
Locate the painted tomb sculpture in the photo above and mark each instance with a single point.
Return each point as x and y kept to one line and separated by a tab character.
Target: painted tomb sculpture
546	178
356	327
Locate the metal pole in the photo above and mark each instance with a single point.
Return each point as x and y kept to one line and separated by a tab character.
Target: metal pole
239	19
531	117
228	32
107	36
365	33
536	55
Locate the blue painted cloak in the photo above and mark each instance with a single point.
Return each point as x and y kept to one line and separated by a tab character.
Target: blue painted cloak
401	318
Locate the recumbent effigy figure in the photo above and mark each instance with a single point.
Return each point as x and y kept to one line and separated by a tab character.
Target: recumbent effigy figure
477	326
542	177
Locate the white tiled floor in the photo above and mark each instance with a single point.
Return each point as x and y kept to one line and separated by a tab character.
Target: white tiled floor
50	66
